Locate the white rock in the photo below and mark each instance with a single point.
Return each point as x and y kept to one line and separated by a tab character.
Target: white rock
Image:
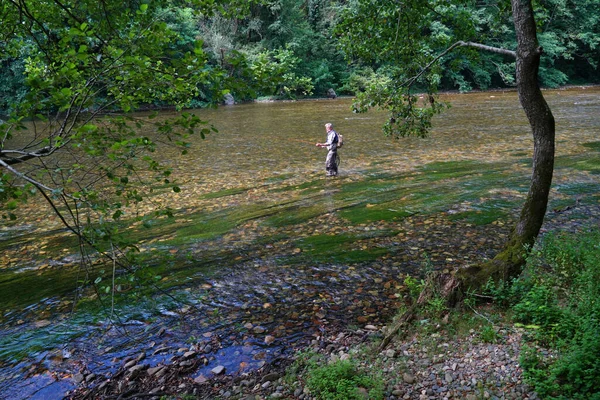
218	370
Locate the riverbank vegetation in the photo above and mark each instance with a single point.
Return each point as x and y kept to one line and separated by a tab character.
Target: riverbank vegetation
552	308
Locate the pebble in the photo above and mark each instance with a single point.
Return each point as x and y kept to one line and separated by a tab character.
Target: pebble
154	370
461	369
218	370
189	354
270	377
408	378
78	378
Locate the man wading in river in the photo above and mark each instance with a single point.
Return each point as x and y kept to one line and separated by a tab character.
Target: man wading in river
332	146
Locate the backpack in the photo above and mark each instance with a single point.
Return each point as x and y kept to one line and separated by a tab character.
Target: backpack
340	141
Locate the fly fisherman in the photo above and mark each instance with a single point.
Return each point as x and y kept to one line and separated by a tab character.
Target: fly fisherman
331	144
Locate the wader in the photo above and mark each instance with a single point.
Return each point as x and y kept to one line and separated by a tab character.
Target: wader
330	162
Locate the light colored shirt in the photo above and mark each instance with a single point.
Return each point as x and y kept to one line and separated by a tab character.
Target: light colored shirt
331	137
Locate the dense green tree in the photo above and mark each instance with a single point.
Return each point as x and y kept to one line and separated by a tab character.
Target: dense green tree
412	40
303	28
568	31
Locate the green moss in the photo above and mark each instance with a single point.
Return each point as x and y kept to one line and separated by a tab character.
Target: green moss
205	229
341	248
279	178
307	187
453	169
592	145
224	193
294	216
27	287
479	217
361	214
591	165
370	186
486	212
579	188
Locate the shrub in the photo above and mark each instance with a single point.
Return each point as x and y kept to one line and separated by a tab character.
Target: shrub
539	307
342	381
562	298
488	334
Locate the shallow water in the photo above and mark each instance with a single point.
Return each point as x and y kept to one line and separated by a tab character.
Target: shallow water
269	247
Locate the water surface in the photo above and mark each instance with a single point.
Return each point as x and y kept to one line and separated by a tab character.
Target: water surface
263	245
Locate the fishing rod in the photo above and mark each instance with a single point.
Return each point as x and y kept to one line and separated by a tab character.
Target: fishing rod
302	141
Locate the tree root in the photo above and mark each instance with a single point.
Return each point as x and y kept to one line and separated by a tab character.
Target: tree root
452	288
404	320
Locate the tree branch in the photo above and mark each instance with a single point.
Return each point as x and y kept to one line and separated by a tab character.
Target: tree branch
492	49
24	177
46	151
460	43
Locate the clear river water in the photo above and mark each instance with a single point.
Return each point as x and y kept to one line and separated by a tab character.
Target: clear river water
267	253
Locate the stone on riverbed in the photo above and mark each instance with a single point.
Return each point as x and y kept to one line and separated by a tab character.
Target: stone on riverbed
218	370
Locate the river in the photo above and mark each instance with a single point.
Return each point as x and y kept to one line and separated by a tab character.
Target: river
268	253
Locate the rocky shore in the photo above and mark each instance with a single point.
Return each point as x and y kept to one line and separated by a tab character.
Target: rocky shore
424	367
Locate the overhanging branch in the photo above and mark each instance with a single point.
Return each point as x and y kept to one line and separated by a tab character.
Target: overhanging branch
460	43
46	151
35	183
491	49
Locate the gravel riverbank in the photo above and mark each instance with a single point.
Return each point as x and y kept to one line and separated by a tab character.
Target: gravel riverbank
423	367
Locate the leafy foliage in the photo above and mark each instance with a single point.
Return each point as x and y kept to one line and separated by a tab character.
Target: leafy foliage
274	73
71	136
557	298
341	381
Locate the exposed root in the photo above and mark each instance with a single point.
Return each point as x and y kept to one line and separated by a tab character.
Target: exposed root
405	319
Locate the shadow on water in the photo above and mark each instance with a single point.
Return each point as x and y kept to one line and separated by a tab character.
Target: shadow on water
265	253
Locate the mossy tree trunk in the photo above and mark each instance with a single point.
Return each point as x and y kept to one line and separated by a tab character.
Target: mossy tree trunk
508	263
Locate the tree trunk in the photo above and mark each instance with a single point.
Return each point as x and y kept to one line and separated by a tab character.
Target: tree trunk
508	263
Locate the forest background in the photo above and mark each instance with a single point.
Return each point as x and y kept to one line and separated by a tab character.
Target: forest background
289	49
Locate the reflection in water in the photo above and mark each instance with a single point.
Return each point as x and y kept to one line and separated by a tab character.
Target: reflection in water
266	153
